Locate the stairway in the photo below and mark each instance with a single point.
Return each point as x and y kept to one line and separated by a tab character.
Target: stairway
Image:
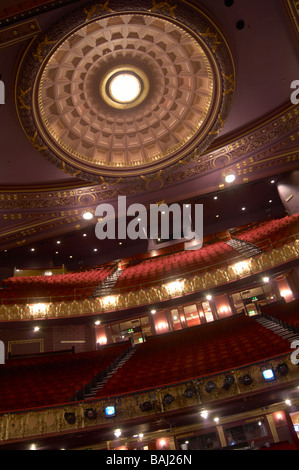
280	330
107	285
91	390
245	248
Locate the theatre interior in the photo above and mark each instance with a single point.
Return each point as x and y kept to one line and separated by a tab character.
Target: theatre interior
177	338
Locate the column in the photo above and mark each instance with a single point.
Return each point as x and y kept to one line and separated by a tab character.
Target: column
221	435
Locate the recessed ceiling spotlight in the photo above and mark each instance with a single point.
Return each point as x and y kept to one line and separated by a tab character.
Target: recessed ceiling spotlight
56	252
270	201
120	243
215	197
36	328
32	249
230	178
95	249
243	208
58	242
272	181
84	234
97	322
209	297
87	215
71	256
153	312
217	216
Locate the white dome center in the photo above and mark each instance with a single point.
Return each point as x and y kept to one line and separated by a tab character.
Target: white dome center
125	87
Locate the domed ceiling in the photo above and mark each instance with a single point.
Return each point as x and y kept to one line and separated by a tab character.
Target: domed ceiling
181	65
212	96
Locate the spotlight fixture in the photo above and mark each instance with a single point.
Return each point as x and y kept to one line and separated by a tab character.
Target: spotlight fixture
87	215
230	178
97	322
204	414
266	279
153	311
117	433
209	297
268	375
288	402
36	328
110	411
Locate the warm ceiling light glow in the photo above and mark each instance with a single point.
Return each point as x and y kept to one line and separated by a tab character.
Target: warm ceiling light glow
153	312
204	414
36	328
215	197
230	178
175	287
125	87
209	297
117	433
241	267
109	301
243	208
32	249
266	279
97	322
87	215
216	419
288	402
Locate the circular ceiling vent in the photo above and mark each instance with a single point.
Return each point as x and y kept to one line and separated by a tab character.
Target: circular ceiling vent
116	93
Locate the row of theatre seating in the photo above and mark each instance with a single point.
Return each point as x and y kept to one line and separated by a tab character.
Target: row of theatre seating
60	287
275	231
33	382
287	314
148	272
162	360
196	352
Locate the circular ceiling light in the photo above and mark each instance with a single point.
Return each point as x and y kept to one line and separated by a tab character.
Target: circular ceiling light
125	87
87	215
230	178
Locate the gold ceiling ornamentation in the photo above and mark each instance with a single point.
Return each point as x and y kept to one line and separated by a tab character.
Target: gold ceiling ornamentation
186	79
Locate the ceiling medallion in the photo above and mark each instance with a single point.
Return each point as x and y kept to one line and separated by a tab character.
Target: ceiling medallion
124	87
125	94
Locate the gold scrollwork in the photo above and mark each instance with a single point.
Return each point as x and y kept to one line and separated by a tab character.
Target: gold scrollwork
165	4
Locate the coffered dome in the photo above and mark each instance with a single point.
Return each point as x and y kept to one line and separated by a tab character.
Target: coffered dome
83	123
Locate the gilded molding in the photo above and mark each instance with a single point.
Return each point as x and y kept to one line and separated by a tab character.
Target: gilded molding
52	420
155	294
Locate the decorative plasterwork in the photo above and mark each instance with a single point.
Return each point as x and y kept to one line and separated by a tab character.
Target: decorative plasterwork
18	33
72	417
269	146
152	295
191	85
